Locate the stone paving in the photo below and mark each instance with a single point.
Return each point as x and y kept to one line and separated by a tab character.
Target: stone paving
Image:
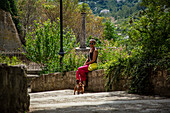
63	101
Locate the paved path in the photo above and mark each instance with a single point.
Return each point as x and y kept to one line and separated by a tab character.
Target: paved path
63	101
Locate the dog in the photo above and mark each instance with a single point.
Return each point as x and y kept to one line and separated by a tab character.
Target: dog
79	87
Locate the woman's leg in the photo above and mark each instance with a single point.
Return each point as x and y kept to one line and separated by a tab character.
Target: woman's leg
82	71
77	75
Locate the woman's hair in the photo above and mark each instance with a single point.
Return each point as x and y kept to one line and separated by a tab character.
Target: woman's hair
93	40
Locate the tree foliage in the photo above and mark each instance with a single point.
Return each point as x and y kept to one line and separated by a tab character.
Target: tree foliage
149	30
9	5
30	10
118	8
148	40
43	44
110	31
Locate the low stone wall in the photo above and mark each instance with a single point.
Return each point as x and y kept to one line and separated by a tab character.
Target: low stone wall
14	97
57	81
96	82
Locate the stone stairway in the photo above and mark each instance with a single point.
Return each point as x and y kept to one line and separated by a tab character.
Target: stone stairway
32	74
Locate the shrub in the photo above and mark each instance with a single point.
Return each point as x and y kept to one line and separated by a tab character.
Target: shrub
10	61
43	44
149	41
110	31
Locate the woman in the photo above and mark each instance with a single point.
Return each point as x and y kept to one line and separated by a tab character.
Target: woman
92	58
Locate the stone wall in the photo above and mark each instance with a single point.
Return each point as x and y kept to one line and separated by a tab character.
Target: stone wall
57	81
161	83
9	39
96	82
14	97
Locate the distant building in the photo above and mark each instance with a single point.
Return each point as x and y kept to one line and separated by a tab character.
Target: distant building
119	34
126	37
80	3
105	11
120	0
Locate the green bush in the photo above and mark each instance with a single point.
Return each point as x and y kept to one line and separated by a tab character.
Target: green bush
110	31
73	60
10	61
110	51
43	45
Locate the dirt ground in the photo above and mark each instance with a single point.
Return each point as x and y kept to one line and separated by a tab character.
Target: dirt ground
63	101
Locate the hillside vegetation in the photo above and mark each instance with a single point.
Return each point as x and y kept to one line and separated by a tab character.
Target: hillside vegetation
118	8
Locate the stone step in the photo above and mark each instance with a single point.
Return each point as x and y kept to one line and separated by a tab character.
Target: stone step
30	78
31	75
34	71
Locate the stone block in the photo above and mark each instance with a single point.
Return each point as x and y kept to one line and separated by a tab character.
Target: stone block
165	73
161	85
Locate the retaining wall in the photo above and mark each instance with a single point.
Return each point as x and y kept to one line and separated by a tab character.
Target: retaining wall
96	82
14	97
161	83
57	81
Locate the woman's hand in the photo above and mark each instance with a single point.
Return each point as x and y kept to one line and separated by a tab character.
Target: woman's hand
86	63
94	58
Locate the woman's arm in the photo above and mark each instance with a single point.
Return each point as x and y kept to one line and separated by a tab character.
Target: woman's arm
86	61
94	57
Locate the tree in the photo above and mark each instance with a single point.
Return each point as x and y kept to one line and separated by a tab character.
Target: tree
149	39
150	28
110	31
44	10
72	17
28	11
160	3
